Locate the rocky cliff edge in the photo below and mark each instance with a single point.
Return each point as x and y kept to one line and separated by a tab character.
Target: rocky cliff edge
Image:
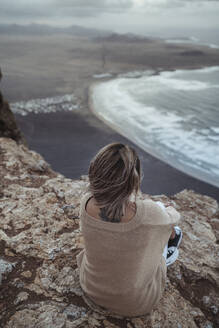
8	125
40	238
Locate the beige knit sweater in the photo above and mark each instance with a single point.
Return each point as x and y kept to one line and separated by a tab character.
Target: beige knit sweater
122	267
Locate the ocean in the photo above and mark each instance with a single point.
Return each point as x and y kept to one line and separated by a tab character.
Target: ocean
172	115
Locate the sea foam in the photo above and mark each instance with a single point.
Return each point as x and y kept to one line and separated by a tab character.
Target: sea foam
66	102
172	115
192	40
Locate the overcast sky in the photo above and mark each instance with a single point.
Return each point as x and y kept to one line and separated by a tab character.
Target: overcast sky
137	16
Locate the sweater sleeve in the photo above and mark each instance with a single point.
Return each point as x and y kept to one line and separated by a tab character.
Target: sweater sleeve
173	215
158	214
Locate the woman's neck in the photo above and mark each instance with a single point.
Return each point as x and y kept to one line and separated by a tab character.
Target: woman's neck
97	212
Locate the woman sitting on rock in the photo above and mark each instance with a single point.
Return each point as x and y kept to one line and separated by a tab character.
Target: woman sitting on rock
129	241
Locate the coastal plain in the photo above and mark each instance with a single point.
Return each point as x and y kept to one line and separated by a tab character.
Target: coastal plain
46	66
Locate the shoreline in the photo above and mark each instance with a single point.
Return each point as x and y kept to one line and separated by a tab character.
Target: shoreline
189	170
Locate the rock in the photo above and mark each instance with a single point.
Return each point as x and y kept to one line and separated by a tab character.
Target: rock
198	263
5	268
26	274
39	231
23	296
8	125
47	314
74	312
215	225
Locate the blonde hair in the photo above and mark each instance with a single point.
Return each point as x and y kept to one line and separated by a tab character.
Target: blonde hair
114	174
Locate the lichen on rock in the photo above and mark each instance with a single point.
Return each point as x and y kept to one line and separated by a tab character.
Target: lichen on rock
40	238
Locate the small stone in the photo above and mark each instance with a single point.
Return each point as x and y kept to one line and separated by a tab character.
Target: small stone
215	224
74	312
5	267
208	325
23	296
93	322
26	274
41	166
206	299
97	316
66	207
61	194
18	283
108	324
179	276
138	323
52	252
8	252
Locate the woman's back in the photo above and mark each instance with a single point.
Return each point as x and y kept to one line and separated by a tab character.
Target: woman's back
121	267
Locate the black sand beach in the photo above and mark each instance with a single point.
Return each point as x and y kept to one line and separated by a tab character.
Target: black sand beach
68	141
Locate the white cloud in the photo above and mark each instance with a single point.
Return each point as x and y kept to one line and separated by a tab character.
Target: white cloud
151	4
93	7
97	6
86	8
137	16
73	8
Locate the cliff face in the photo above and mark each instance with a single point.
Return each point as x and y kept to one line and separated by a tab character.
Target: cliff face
8	125
40	238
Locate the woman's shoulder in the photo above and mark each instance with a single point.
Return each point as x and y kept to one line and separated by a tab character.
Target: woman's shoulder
155	213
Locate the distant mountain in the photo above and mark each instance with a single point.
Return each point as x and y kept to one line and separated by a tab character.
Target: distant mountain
85	31
127	37
41	29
